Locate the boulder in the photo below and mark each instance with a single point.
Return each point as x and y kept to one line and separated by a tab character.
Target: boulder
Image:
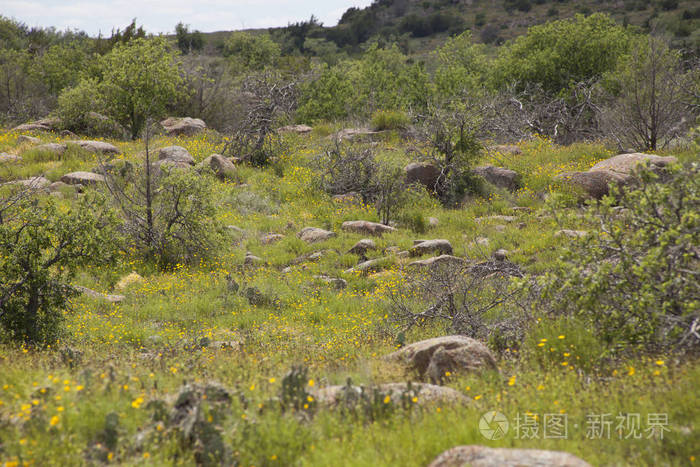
269	239
482	456
299	129
314	234
438	246
425	173
54	148
176	155
434	358
97	147
186	126
9	158
500	177
28	139
626	163
440	261
594	184
362	247
83	178
222	167
425	394
33	183
366	227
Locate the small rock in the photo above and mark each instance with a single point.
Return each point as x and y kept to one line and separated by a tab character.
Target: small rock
299	129
99	296
372	265
28	139
176	154
626	163
252	260
425	394
507	149
362	247
424	247
186	126
594	184
351	198
496	218
366	227
351	134
314	234
433	222
32	183
223	168
336	282
570	233
83	178
425	173
54	148
500	177
500	255
269	239
442	260
96	146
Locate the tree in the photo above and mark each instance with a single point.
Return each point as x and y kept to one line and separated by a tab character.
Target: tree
188	41
251	52
140	79
460	65
41	248
648	106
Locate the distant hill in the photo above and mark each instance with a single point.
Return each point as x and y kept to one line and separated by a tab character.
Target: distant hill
420	25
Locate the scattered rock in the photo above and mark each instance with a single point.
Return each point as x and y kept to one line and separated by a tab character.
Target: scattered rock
32	183
83	178
439	261
186	126
373	265
433	358
482	456
481	241
28	139
9	158
433	222
269	239
54	148
570	233
128	280
500	177
425	173
299	129
500	255
222	167
314	234
175	154
594	184
366	227
362	247
424	247
425	394
99	296
336	282
96	146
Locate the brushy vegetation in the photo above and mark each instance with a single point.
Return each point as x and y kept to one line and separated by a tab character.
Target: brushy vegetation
169	316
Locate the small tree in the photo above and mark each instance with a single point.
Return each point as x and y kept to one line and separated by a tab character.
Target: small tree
188	41
41	248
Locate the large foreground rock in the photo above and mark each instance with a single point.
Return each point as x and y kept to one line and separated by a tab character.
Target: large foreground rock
186	126
83	178
425	173
500	177
482	456
175	155
367	227
314	234
626	163
434	358
425	394
438	246
97	147
223	168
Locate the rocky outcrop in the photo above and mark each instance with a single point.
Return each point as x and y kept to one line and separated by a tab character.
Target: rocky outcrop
185	126
366	228
435	358
482	456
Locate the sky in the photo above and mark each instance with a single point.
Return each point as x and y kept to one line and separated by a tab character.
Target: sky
161	16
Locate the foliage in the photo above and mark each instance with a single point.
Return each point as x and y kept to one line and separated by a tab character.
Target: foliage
188	41
390	120
251	52
41	248
461	65
635	279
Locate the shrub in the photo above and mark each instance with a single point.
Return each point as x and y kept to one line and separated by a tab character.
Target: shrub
634	280
390	120
41	247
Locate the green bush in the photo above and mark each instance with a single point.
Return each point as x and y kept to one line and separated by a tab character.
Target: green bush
634	279
390	120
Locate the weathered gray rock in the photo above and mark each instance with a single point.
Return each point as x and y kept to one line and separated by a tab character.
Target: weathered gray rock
434	358
440	261
336	282
32	183
269	239
175	154
425	173
367	227
46	124
314	234
9	158
99	296
362	247
595	184
570	233
186	126
373	265
425	394
299	129
83	178
222	167
482	456
626	163
437	246
28	139
97	147
500	177
54	148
